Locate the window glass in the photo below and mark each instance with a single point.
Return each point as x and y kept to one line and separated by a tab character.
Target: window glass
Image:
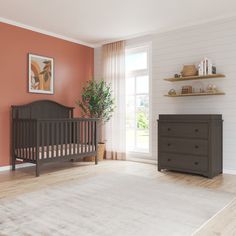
142	84
130	85
137	101
136	61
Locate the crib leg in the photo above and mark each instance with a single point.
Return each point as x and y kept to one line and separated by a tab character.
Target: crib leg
37	170
96	159
13	163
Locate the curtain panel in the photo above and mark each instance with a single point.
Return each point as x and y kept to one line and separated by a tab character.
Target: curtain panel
114	74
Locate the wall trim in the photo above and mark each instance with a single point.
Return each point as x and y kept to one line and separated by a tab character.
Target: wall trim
18	166
99	44
166	30
41	31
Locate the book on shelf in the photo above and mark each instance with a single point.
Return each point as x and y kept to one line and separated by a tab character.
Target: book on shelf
206	67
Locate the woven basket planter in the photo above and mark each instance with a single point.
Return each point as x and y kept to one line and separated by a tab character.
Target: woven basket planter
100	153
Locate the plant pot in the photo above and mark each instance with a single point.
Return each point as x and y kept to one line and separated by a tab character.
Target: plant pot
100	153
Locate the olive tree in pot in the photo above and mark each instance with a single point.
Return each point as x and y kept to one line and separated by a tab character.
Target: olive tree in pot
97	102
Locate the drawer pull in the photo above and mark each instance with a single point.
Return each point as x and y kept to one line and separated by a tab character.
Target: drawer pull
168	159
196	146
169	129
196	163
196	130
168	144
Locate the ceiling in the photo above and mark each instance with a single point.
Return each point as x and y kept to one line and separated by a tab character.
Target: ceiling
94	22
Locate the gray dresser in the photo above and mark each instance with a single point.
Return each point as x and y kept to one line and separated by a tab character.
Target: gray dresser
190	143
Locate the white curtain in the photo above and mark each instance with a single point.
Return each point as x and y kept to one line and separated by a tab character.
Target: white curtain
114	73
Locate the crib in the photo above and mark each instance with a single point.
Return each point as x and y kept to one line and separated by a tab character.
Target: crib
46	131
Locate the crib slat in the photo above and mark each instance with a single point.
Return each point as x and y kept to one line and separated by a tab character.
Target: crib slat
57	137
85	136
91	133
33	126
52	141
88	136
96	138
47	138
43	139
83	139
27	139
70	136
61	137
90	139
92	136
78	137
19	138
66	137
30	138
23	140
74	136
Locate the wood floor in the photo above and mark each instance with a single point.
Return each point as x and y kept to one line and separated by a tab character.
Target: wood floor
23	181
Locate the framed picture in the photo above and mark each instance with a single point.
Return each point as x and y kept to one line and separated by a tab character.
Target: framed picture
41	74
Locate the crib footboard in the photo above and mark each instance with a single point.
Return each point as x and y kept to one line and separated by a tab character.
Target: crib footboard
46	140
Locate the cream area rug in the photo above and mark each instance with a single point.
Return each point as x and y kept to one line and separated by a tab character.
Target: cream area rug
111	204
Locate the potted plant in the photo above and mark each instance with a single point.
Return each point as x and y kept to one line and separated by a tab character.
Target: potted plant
97	102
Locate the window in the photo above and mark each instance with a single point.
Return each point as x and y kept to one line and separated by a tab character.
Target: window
137	100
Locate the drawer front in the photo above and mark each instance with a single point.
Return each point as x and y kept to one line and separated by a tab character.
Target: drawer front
185	146
188	130
182	162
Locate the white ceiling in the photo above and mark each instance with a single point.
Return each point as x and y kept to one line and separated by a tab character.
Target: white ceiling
94	22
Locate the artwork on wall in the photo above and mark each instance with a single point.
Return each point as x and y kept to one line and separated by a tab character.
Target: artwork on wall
41	74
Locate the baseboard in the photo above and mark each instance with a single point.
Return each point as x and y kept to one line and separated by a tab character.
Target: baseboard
142	160
23	165
18	166
228	171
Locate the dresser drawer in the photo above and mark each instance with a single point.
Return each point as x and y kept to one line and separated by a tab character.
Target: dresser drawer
182	162
193	130
186	146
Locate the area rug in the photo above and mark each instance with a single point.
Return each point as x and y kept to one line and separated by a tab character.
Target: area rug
111	204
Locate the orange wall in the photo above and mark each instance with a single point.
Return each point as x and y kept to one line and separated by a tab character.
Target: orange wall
73	65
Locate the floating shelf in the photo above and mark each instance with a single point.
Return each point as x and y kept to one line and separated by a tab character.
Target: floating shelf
195	77
195	94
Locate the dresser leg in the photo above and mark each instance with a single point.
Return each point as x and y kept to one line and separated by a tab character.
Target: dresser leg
159	168
210	176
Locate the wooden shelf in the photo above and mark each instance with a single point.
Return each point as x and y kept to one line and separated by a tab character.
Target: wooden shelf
195	94
195	78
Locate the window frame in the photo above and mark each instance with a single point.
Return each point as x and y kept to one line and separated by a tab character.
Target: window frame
136	73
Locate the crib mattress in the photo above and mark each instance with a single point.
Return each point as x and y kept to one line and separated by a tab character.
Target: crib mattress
55	151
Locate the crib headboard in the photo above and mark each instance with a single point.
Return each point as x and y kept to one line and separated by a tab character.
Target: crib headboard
42	109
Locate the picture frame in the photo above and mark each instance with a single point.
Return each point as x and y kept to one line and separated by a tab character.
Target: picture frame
40	74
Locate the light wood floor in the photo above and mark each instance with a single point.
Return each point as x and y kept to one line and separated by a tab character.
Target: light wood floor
23	181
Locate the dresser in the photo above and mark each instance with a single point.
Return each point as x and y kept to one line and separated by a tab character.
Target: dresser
190	143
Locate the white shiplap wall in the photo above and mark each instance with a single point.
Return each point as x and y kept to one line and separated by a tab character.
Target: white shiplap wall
170	51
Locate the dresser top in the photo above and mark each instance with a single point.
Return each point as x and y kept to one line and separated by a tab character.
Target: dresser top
190	117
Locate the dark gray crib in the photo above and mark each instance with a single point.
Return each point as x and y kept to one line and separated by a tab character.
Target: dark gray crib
45	131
